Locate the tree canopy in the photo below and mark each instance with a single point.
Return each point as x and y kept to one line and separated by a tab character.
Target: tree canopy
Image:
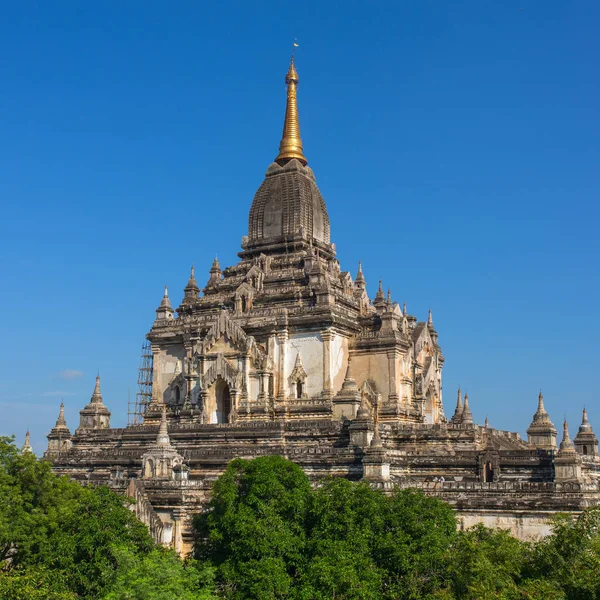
60	540
268	534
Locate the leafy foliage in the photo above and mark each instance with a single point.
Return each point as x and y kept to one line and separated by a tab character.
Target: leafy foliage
269	535
255	529
59	540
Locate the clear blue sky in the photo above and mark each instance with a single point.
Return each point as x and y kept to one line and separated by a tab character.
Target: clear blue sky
456	144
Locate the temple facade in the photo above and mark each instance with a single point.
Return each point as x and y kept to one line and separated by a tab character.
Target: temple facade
286	353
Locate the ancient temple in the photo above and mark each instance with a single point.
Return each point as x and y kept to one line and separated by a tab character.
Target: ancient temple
286	353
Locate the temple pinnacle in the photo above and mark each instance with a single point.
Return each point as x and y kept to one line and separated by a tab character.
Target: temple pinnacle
585	426
291	144
566	446
162	439
61	422
467	417
165	302
97	395
27	449
360	278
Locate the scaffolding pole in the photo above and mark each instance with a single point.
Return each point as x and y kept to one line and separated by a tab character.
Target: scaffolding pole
144	393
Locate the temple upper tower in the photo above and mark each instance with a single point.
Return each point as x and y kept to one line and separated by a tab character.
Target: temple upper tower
288	211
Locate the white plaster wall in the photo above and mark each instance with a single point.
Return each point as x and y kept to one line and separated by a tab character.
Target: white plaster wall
373	367
310	347
168	361
254	388
339	361
523	526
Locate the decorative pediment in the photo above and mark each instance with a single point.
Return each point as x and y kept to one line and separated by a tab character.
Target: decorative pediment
263	262
298	373
223	326
346	279
368	390
244	289
255	278
223	369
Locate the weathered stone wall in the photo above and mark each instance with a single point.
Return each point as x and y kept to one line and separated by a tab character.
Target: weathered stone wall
525	525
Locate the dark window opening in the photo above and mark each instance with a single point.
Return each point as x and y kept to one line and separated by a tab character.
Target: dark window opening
223	402
488	472
299	389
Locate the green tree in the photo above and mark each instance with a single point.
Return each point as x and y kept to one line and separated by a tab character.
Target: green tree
485	564
158	575
33	583
270	535
344	521
254	529
60	540
570	558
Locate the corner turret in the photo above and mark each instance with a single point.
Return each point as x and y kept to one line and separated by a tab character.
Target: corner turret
95	415
359	281
164	311
586	442
59	438
191	290
467	417
26	448
567	463
542	433
379	302
458	411
161	460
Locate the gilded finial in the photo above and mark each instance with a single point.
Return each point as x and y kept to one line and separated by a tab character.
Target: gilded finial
291	143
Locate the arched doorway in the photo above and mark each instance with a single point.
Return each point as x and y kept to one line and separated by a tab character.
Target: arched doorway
223	398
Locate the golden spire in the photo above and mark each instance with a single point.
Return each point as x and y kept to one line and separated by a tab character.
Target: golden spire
291	144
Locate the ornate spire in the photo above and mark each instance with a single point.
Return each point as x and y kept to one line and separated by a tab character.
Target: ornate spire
380	296
566	446
585	441
27	449
164	310
389	297
61	422
404	311
458	412
541	416
165	302
215	272
467	417
430	319
191	289
349	383
585	426
541	432
162	439
359	281
97	395
291	144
